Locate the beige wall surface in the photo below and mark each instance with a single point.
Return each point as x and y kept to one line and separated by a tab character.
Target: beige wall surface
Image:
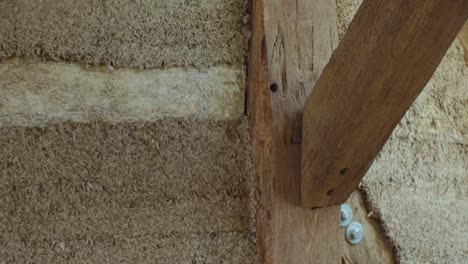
419	182
86	89
122	136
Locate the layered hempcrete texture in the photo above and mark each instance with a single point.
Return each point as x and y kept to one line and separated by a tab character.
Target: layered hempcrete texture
131	34
173	191
125	182
419	182
34	92
58	192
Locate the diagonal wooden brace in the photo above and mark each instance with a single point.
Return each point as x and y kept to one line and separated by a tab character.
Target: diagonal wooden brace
383	62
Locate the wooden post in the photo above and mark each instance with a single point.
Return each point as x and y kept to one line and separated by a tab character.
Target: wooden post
385	59
291	43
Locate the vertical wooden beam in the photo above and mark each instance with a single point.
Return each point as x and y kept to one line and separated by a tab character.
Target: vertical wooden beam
291	43
385	59
374	248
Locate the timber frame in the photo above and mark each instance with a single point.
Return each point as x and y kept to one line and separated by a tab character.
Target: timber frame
388	54
283	57
291	44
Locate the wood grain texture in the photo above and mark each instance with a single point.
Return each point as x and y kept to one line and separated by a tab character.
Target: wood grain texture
291	43
385	59
374	248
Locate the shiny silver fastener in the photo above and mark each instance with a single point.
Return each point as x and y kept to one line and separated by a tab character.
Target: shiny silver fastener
346	215
354	233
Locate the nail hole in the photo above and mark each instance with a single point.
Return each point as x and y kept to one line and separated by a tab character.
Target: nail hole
344	171
274	87
330	192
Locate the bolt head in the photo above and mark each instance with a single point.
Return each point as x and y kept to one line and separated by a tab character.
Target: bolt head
346	215
354	233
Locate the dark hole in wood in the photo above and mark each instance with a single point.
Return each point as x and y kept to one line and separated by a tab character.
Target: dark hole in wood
330	192
344	171
274	87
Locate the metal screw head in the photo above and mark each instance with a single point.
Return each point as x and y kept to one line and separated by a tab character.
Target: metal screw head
346	215
354	233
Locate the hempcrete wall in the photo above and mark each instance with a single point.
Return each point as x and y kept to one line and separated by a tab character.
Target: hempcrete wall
146	159
419	182
126	34
159	192
137	151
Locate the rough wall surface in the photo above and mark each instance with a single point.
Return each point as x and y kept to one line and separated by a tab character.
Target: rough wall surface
419	182
34	92
130	34
188	197
162	192
144	159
